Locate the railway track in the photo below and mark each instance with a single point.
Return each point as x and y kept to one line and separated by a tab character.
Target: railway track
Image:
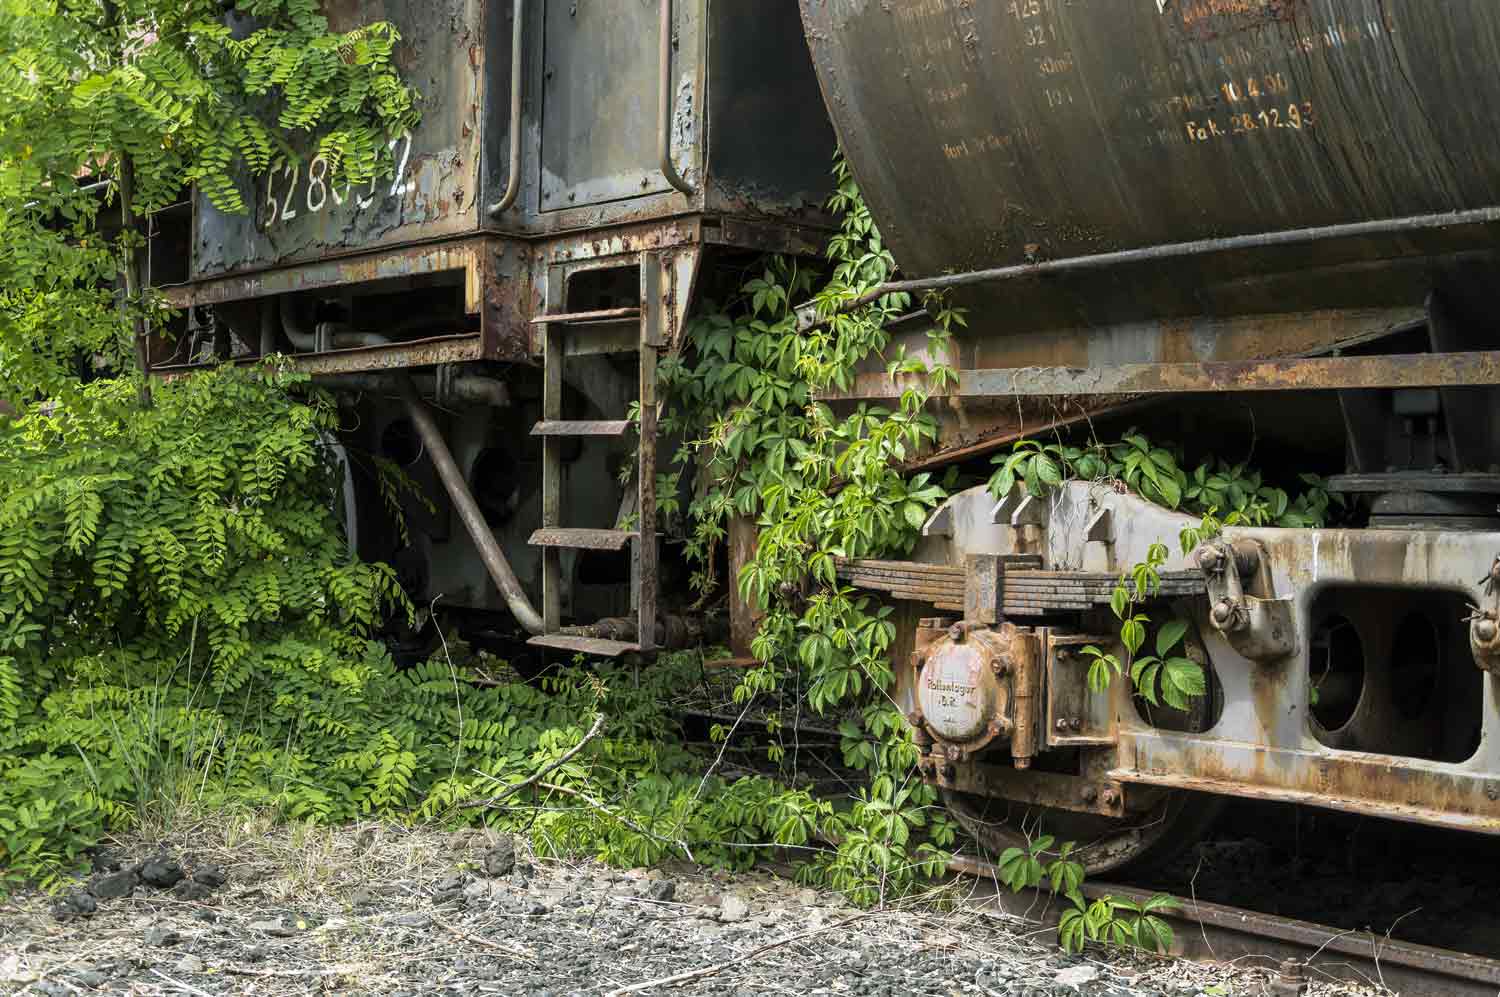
1303	951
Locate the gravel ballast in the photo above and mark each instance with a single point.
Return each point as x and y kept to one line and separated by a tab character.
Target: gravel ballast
377	910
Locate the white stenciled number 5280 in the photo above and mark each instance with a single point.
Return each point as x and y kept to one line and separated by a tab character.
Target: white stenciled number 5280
316	191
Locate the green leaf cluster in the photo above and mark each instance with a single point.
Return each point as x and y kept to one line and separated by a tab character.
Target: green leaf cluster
1156	473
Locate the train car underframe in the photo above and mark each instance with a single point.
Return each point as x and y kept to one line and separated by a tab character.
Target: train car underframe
1351	669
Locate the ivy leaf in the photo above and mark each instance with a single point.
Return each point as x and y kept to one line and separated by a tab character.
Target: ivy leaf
1170	635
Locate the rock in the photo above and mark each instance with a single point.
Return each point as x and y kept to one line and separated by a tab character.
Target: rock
53	989
456	881
443	897
211	876
106	860
162	936
276	928
191	890
189	964
114	885
162	872
413	920
76	904
256	953
662	889
91	978
501	859
206	916
733	908
361	898
1076	976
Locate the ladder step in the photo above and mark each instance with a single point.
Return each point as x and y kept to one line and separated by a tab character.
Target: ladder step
604	315
597	427
559	536
597	646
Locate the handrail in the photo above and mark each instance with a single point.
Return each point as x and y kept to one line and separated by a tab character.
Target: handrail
664	108
513	185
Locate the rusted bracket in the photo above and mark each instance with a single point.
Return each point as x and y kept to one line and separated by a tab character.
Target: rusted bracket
1484	625
1261	629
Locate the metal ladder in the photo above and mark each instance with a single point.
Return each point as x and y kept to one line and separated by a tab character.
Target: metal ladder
554	537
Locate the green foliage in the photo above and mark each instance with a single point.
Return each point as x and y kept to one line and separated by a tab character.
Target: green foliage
1156	473
1117	922
147	98
820	486
173	586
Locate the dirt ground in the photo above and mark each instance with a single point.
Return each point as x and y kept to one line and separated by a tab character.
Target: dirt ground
244	907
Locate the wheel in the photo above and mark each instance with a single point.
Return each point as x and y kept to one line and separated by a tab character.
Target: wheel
1104	844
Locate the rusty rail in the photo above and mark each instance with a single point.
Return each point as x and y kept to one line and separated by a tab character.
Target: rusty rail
1208	932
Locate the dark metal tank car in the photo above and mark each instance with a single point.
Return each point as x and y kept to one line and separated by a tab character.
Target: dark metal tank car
1245	222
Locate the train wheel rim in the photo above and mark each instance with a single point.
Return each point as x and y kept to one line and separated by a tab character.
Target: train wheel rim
1103	844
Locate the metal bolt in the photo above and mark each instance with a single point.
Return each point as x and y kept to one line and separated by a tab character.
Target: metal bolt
1224	613
1111	797
1486	630
1062	724
1210	559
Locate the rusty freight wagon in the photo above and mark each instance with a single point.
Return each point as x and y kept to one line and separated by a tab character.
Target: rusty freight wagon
1208	214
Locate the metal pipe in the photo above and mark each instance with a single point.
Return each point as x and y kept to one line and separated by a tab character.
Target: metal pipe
807	316
513	185
468	510
466	388
664	108
302	340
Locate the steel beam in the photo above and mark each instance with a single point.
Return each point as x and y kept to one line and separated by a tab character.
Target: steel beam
1419	370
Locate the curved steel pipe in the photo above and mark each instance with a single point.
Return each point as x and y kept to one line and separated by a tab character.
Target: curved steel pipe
468	510
513	185
664	107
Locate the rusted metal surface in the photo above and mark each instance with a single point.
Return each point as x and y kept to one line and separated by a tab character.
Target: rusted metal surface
1025	589
596	646
297	216
1220	934
1043	789
1416	742
1301	374
597	427
744	616
578	538
601	315
807	315
399	356
452	477
347	267
998	135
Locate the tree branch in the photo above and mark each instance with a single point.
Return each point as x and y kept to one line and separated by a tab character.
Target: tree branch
542	772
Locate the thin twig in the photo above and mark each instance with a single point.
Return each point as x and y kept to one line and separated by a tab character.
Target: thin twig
544	771
698	974
517	953
638	829
189	988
